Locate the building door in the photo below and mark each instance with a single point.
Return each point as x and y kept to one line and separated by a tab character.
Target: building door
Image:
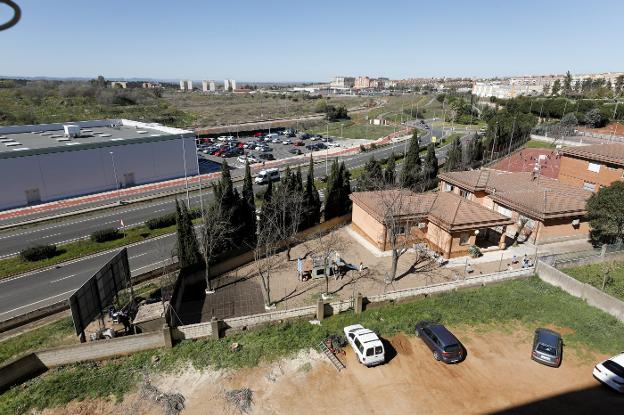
128	179
32	196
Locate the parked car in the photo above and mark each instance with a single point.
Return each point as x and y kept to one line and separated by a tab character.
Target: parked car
321	146
547	347
242	159
266	149
286	142
275	140
312	147
271	136
266	156
441	341
222	138
257	135
252	159
295	150
265	176
304	136
611	372
366	344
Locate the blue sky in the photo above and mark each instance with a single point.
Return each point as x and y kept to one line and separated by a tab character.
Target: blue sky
310	40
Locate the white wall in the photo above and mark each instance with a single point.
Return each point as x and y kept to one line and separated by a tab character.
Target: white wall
73	173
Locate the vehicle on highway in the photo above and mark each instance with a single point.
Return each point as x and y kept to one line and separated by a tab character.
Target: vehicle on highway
611	372
266	156
366	344
547	347
333	145
295	150
441	341
264	176
286	142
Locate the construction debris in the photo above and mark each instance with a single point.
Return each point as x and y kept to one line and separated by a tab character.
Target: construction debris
172	403
240	398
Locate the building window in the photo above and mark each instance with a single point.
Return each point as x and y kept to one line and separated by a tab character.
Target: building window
464	238
448	187
589	186
402	230
595	167
464	194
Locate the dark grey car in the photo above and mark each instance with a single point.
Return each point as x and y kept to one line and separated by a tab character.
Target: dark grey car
443	343
547	347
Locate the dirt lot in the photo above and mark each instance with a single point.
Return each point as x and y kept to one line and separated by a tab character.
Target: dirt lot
496	377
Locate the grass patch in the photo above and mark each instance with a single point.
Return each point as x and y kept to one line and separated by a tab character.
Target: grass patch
593	274
531	302
537	144
55	334
15	265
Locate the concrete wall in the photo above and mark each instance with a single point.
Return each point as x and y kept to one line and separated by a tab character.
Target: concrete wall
439	239
19	370
70	173
574	171
368	226
593	296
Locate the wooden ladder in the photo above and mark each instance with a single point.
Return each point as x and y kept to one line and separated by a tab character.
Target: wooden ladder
331	356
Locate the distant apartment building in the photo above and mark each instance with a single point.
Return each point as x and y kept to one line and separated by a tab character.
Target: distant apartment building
119	84
229	85
150	85
208	86
342	82
362	82
505	89
186	85
592	167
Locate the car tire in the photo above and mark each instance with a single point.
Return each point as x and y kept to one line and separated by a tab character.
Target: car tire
417	333
436	355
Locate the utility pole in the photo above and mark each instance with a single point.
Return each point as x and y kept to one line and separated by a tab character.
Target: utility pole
188	199
117	186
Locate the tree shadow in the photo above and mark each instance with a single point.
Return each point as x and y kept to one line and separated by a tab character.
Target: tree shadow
423	264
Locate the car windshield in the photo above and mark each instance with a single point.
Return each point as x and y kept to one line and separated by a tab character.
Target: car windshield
453	348
546	349
614	367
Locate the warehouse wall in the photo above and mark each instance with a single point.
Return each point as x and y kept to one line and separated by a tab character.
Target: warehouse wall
74	173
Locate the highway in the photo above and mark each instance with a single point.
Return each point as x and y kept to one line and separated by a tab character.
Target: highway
39	288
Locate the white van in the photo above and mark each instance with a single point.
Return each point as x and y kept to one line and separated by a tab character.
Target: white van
366	344
270	137
267	175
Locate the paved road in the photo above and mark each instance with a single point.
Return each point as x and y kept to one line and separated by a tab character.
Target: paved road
43	287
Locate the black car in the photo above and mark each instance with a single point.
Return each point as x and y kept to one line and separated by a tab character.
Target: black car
266	156
443	343
321	146
304	136
294	150
547	347
313	147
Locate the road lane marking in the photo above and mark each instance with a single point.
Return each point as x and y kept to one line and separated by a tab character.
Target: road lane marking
63	278
37	302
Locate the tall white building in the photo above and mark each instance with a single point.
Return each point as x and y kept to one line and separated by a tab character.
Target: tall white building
229	84
208	86
186	85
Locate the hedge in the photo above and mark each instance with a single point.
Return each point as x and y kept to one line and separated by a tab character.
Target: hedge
161	221
104	235
38	252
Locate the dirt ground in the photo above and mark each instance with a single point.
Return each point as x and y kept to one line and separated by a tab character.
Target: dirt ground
496	377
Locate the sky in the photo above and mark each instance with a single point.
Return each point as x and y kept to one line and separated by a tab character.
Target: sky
302	40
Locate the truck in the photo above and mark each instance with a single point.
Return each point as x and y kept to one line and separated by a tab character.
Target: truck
366	344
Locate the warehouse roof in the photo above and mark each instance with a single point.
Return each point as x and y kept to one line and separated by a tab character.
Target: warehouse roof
17	141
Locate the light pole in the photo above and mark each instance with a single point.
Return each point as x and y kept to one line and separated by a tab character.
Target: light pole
188	199
326	151
115	175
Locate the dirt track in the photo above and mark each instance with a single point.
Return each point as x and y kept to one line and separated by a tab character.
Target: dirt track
496	377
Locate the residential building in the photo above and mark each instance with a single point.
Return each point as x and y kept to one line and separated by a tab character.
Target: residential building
542	209
342	82
592	167
446	222
362	82
229	85
57	161
119	84
208	86
150	85
186	85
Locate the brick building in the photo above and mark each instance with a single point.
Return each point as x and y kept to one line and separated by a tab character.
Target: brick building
542	209
592	167
448	223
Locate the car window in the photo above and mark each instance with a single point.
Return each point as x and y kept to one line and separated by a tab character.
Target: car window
358	345
370	351
427	332
351	336
546	349
378	350
614	367
452	348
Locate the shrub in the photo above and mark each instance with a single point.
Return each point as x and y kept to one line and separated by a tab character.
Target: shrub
104	235
38	252
163	221
474	251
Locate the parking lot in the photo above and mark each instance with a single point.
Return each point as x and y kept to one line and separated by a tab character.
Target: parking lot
264	147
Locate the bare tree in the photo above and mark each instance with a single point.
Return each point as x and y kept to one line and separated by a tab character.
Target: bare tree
288	208
326	244
265	254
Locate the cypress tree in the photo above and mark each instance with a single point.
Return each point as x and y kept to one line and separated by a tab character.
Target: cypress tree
410	174
248	208
312	201
454	156
189	256
337	202
372	176
430	168
390	172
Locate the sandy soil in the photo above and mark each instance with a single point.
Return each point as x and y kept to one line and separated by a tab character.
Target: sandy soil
496	377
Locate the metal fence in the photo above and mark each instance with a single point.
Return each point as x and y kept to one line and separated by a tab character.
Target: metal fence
598	254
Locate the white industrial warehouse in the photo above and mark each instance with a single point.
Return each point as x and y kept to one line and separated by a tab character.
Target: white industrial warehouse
46	162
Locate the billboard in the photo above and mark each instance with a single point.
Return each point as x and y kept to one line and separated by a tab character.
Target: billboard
99	291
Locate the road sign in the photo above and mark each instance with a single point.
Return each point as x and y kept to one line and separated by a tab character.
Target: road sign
434	139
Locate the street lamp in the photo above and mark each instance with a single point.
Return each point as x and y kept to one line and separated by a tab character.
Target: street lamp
117	187
188	201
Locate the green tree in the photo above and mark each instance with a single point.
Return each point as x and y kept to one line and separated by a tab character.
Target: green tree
412	165
567	84
594	118
475	151
337	202
430	167
454	156
231	202
605	210
619	85
312	201
248	208
556	87
569	120
390	171
372	176
189	256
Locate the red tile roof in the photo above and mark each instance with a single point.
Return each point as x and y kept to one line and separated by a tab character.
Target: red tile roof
612	153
